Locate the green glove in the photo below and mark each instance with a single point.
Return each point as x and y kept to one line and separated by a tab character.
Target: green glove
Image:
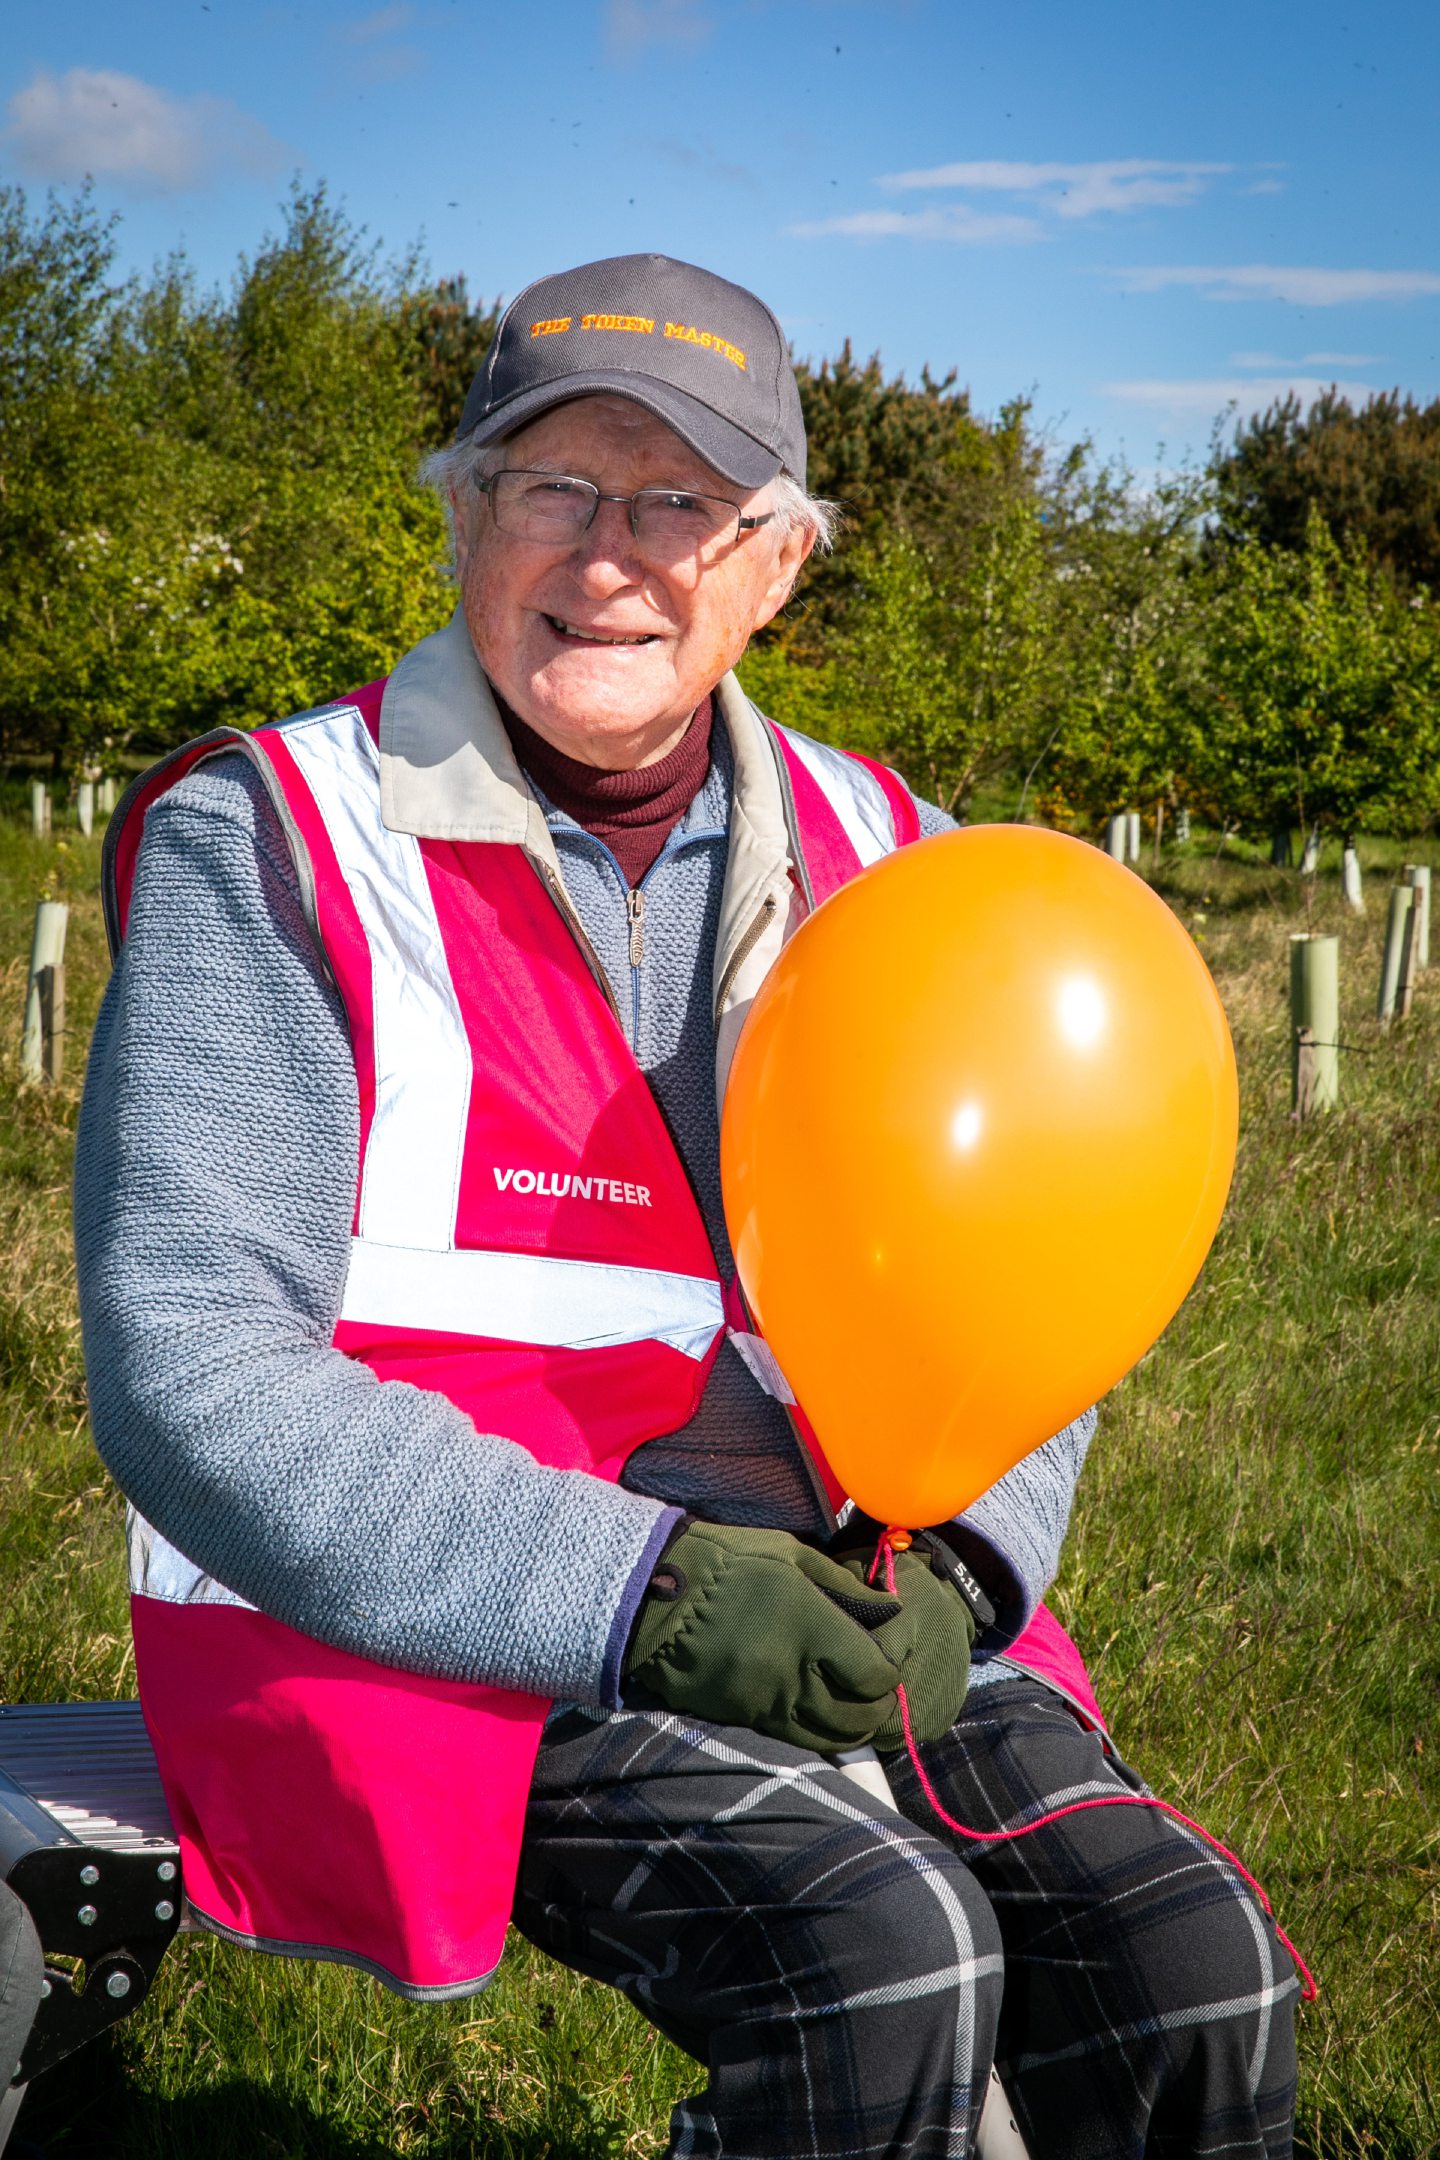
937	1671
750	1627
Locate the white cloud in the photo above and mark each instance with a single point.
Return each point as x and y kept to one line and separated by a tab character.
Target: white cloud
952	221
1270	363
375	57
382	23
1303	286
1074	191
115	127
632	24
1212	394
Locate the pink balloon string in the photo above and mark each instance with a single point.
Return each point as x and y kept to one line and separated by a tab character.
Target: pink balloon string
1308	1989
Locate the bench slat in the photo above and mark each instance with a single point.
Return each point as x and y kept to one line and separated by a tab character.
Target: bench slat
91	1768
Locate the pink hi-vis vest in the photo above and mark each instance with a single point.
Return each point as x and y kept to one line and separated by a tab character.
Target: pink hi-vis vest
325	1805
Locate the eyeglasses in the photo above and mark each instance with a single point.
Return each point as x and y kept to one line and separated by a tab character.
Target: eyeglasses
671	525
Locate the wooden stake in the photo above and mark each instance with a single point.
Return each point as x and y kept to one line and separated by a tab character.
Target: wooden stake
1401	902
1314	1024
51	984
1410	947
1418	875
1159	829
42	1044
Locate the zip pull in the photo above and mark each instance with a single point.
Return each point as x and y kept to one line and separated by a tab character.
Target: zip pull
635	915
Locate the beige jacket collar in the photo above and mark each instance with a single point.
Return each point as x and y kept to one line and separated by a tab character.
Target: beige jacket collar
448	772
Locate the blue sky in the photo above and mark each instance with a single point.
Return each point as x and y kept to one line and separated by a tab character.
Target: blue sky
1133	213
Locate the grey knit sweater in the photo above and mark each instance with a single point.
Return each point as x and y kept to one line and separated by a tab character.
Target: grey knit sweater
215	1183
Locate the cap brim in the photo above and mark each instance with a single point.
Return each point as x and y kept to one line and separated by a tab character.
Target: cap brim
736	456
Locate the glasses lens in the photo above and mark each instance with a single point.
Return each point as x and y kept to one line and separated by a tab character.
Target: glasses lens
677	526
542	506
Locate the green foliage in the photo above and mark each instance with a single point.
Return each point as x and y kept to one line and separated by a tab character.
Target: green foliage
1132	625
208	513
895	457
944	635
208	510
947	651
449	338
1320	701
1373	474
882	446
799	695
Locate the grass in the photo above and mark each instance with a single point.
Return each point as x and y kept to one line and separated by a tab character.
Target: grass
1253	1573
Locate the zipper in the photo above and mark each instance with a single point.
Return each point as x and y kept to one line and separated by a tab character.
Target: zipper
743	950
635	916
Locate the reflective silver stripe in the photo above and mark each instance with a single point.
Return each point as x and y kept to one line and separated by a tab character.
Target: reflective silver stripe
411	1177
525	1298
764	1368
855	796
157	1570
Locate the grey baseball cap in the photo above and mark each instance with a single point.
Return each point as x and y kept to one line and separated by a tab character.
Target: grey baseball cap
703	355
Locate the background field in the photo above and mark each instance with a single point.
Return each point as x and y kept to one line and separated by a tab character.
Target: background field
1252	1575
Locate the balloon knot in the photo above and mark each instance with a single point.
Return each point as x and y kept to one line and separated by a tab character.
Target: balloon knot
892	1539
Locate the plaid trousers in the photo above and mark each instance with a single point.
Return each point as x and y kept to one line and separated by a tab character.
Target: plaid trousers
845	1975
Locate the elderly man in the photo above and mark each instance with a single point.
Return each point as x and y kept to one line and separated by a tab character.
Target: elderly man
480	1570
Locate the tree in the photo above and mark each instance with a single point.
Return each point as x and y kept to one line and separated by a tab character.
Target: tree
1130	628
897	458
1320	702
208	509
57	305
449	338
1373	474
947	654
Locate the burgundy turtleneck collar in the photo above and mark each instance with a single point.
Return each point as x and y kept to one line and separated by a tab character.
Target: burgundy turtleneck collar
634	813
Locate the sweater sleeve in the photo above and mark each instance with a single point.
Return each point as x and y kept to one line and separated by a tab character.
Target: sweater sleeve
1012	1535
214	1192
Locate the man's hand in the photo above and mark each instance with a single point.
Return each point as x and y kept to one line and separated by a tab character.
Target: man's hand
937	1671
753	1628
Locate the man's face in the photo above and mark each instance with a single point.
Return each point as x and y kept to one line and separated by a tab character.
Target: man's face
600	652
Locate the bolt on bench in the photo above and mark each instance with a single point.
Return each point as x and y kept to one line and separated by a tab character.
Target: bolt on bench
86	1843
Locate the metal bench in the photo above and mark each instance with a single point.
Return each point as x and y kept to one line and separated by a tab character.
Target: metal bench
86	1843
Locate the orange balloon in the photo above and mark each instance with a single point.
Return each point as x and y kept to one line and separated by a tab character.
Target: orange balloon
977	1140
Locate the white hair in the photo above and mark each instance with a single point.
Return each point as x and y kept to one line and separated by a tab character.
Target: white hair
455	471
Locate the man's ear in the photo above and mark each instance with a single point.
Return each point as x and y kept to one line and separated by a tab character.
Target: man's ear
793	553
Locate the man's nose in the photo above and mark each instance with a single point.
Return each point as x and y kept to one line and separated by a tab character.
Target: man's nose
607	547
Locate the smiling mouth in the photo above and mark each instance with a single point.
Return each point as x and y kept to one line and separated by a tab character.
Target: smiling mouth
573	632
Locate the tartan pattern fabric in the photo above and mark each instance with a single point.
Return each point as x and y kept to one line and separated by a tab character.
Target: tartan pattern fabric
845	1975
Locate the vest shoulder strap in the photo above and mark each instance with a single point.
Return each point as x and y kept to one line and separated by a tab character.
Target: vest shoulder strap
848	810
126	829
903	814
